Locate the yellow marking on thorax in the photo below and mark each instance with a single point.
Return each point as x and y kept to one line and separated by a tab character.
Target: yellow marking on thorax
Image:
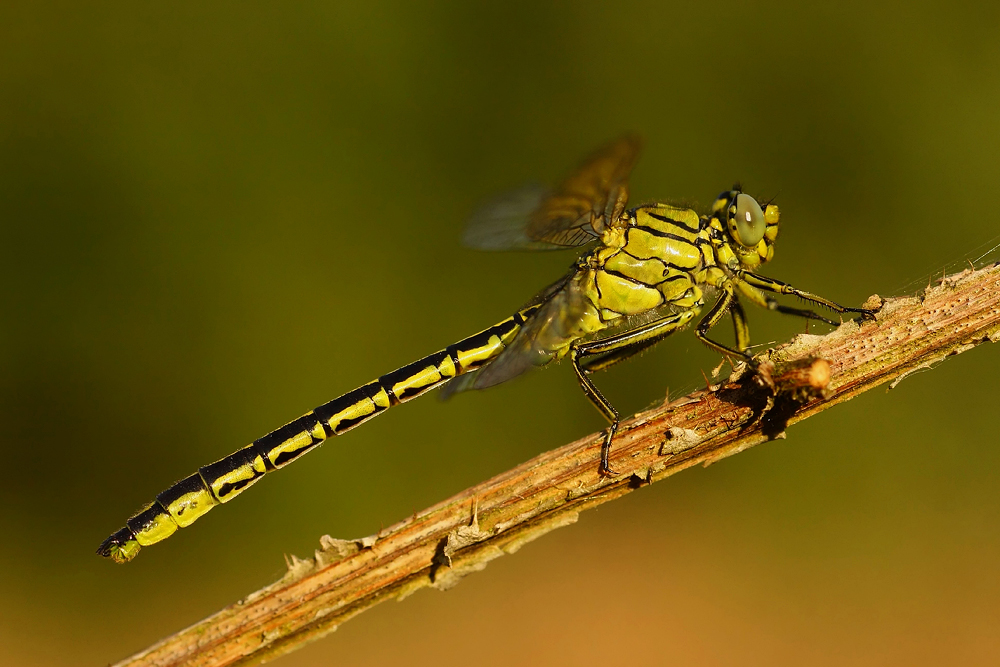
647	271
624	296
692	296
644	245
594	316
614	236
674	290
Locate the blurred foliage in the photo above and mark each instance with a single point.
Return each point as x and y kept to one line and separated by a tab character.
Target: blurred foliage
218	215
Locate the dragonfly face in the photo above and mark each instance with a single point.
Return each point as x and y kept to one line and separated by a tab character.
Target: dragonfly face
750	231
641	280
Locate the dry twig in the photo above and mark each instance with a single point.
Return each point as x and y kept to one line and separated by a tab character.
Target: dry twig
440	545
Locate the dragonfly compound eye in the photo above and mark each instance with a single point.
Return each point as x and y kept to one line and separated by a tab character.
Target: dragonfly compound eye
746	223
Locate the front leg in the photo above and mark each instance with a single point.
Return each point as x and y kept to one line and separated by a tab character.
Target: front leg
778	287
770	303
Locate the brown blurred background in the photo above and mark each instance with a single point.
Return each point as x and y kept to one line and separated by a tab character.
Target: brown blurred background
215	218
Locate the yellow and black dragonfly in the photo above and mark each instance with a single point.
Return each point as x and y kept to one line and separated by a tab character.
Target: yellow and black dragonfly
645	276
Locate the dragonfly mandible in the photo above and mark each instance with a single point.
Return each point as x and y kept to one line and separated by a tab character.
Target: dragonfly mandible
644	277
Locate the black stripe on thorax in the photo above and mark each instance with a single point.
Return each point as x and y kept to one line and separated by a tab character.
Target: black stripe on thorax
663	218
686	271
698	241
616	274
681	273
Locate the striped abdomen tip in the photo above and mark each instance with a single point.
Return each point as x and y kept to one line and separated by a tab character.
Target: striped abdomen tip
120	547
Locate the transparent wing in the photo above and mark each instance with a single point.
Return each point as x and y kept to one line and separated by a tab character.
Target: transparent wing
468	381
574	213
502	223
528	348
550	329
591	197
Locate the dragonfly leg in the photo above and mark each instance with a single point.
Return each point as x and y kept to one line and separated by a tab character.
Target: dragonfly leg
616	348
727	301
778	287
740	326
769	302
603	406
799	312
600	362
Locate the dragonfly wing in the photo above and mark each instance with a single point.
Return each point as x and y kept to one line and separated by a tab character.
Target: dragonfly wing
468	381
458	385
573	214
583	204
502	223
521	354
551	290
548	332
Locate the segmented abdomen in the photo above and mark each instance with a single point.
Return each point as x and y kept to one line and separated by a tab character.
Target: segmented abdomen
219	482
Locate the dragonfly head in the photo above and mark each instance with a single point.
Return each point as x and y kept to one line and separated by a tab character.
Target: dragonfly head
751	230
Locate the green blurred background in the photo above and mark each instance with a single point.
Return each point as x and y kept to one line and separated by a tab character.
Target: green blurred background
217	217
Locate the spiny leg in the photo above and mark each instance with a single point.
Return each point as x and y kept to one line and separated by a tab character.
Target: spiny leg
619	347
799	312
597	362
769	302
604	407
778	287
740	326
725	302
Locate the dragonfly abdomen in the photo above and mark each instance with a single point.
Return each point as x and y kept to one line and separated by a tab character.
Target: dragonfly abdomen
190	498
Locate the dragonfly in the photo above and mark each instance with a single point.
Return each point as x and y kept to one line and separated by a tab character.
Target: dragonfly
643	274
